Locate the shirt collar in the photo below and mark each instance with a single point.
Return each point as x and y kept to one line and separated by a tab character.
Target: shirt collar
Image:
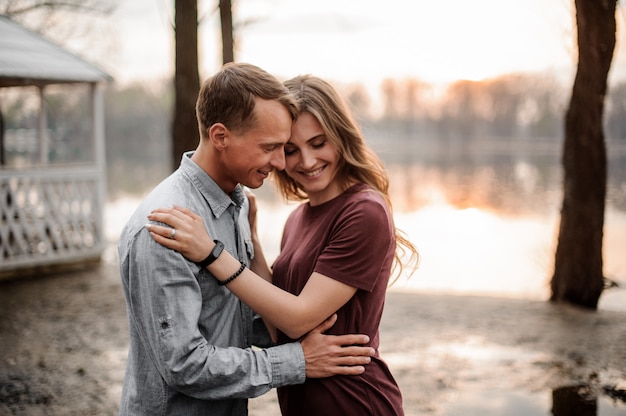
217	199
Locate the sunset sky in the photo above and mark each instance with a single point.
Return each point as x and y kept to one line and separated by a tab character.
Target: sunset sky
367	40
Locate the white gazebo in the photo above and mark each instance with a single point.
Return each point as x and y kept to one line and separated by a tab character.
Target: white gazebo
51	214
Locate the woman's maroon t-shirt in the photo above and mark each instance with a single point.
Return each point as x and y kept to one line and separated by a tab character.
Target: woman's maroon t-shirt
351	239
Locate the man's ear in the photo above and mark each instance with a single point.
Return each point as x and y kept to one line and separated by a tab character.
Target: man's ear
218	134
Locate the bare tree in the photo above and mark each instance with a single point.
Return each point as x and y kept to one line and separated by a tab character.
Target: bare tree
41	15
226	20
186	79
578	275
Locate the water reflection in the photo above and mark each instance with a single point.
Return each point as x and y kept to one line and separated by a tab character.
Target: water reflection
576	400
512	175
569	400
495	402
486	218
474	251
583	400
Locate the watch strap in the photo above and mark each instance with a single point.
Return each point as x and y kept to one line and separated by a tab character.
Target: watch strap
213	255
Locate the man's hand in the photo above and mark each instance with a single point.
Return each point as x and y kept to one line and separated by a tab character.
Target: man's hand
329	355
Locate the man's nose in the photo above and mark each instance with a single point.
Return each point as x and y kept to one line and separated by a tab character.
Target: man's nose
278	159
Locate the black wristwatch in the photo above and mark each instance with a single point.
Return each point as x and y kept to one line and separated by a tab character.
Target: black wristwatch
213	255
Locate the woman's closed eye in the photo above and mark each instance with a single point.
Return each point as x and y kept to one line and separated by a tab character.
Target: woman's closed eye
318	143
315	143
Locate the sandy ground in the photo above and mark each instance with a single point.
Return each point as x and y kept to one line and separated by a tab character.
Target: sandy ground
63	342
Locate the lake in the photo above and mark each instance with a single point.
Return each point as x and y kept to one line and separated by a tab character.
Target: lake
484	216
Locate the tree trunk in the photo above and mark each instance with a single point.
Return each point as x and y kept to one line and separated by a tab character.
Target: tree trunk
186	80
578	274
226	19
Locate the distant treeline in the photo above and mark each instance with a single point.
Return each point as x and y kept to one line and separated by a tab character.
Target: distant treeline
515	106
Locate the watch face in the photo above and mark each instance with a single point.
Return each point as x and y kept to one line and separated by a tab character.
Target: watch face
215	253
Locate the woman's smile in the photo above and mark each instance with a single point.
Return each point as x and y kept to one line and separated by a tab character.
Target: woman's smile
313	173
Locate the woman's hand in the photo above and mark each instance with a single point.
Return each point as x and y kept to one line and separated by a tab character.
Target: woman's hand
186	232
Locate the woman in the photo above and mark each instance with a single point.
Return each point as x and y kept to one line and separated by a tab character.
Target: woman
337	252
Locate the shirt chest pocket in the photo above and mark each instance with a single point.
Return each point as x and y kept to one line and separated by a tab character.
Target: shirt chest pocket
249	248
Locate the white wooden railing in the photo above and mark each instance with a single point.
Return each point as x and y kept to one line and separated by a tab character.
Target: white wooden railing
50	216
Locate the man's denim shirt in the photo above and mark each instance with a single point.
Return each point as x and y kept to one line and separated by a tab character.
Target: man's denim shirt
190	339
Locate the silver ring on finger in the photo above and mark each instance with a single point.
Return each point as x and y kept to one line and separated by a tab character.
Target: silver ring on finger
173	234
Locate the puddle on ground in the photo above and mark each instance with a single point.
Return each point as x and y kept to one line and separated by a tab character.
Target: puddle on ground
478	378
488	361
564	401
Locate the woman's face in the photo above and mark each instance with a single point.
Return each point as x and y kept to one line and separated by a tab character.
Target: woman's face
311	160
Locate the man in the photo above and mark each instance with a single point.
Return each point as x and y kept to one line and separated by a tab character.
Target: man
190	338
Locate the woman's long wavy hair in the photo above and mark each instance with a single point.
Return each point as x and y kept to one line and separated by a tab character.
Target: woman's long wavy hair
357	162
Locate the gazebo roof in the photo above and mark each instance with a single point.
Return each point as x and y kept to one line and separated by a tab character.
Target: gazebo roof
27	58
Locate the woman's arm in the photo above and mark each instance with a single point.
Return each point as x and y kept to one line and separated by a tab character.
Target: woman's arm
294	315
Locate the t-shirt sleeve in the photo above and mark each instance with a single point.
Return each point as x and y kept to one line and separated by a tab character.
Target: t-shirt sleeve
361	245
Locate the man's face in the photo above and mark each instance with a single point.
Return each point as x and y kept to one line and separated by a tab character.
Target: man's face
251	155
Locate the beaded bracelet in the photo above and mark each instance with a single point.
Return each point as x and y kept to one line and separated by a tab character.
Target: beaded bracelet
233	277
